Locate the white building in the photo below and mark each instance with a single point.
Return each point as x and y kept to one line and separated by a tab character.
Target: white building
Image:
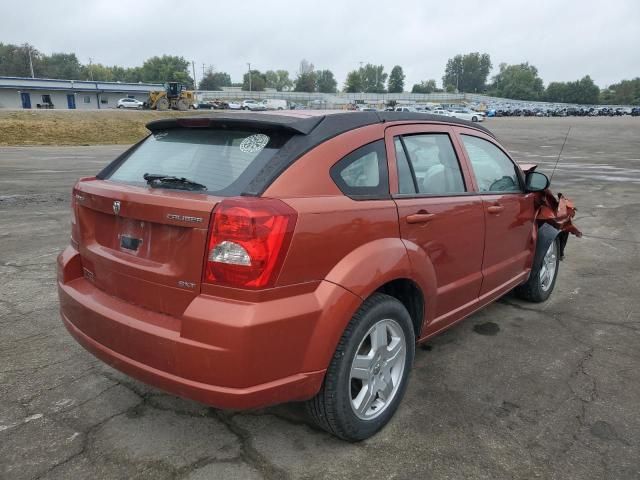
16	92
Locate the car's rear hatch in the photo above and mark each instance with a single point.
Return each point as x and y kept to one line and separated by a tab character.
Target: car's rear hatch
141	245
144	241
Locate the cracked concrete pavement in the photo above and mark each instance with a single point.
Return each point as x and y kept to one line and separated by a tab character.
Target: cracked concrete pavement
515	391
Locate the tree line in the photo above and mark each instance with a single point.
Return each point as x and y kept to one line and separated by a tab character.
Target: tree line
466	73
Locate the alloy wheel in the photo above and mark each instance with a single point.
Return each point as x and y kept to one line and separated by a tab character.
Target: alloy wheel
548	268
377	369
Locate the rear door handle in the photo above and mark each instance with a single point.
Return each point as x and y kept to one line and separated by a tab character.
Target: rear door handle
420	217
495	209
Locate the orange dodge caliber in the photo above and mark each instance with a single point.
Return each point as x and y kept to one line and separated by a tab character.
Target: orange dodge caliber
248	259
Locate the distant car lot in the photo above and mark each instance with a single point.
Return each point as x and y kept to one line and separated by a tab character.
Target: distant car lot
514	392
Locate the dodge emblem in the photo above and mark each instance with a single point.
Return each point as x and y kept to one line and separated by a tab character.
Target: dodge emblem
116	207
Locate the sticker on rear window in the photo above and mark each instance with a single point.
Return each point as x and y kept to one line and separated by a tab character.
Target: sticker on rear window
254	143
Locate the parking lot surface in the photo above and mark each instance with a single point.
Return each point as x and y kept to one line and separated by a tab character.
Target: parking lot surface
518	390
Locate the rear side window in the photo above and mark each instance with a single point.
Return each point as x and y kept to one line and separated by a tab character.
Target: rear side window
225	161
363	173
494	171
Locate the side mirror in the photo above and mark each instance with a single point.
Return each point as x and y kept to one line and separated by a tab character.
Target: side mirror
536	182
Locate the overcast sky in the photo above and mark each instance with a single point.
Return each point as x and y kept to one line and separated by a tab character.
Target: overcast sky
564	39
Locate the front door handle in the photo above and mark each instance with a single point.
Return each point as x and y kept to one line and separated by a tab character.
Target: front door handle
495	209
420	217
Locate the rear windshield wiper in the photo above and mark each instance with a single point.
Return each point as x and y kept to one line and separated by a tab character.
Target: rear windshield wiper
155	180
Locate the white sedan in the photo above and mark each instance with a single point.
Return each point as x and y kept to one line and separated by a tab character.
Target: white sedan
441	111
129	103
466	114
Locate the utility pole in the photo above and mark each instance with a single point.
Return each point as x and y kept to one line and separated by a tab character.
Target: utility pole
91	68
193	67
249	65
30	61
203	67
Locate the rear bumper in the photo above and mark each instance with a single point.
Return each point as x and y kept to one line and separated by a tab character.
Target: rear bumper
224	353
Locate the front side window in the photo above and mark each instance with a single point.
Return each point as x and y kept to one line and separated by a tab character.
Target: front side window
363	173
433	164
494	171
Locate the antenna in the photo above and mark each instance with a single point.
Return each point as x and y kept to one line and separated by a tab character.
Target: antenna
558	159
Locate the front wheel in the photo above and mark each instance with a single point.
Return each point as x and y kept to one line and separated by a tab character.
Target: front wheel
474	119
543	277
367	376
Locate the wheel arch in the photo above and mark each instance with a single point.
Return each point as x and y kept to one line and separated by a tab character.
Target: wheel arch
409	293
546	235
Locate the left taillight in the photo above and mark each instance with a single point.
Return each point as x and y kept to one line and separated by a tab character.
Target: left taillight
248	240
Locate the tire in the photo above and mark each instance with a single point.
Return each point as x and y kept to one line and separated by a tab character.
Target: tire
119	106
335	407
182	105
474	119
162	104
540	284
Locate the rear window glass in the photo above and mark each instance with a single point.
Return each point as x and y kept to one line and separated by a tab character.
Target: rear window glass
225	161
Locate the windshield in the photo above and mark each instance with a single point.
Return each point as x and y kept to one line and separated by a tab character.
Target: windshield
225	161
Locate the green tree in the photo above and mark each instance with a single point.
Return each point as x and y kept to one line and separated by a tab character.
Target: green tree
306	82
213	80
167	68
98	72
468	73
353	83
14	60
626	92
582	91
520	82
278	79
396	80
556	92
258	81
425	87
60	65
326	81
373	78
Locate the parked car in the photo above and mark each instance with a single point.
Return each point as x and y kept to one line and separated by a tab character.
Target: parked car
278	262
204	106
466	115
252	105
441	111
635	112
234	106
405	108
130	103
275	104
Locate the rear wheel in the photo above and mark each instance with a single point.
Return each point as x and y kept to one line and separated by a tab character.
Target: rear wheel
474	119
542	279
367	377
182	105
162	104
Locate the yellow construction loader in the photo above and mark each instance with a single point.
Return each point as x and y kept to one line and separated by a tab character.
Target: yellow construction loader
174	97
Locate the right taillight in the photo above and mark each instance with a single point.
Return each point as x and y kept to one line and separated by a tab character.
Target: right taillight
248	239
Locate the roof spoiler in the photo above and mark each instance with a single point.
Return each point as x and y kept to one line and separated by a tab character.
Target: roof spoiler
296	125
